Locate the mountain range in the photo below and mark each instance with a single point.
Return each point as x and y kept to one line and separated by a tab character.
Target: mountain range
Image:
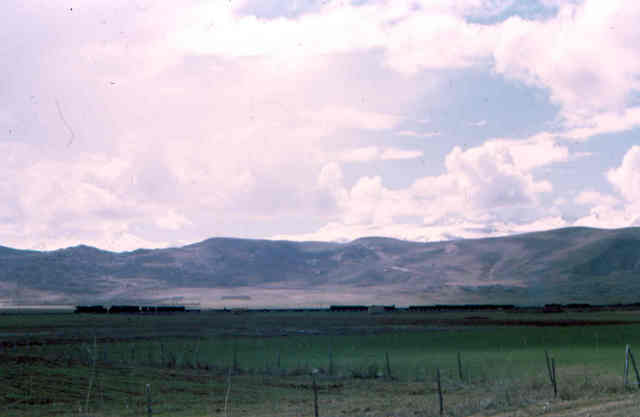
570	265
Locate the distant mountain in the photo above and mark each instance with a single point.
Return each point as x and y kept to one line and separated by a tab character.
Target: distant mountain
564	265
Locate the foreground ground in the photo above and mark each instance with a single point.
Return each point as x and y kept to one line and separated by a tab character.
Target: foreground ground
620	406
261	364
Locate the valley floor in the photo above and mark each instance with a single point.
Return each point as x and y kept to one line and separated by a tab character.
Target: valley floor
264	364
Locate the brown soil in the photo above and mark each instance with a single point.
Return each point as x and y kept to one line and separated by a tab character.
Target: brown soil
625	406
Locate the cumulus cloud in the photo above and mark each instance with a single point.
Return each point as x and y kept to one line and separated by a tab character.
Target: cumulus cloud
608	210
400	27
201	118
603	216
492	176
557	54
483	192
626	177
455	228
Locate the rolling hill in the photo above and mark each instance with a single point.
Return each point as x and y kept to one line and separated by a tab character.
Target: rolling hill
564	265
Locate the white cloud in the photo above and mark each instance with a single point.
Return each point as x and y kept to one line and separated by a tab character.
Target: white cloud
607	122
414	133
541	224
330	176
484	189
609	211
579	155
533	152
397	26
609	218
626	177
596	198
558	54
83	198
479	123
172	220
456	228
496	173
365	154
200	115
346	117
374	153
390	154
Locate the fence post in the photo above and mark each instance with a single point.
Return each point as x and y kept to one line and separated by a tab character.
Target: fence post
635	368
555	381
226	396
387	365
626	365
315	396
440	399
149	410
546	355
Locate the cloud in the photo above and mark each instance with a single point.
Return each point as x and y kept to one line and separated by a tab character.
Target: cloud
457	228
485	188
169	136
479	123
330	176
204	119
393	154
596	198
578	155
83	198
374	153
535	151
413	133
345	117
607	217
609	211
607	122
557	54
172	221
399	27
626	177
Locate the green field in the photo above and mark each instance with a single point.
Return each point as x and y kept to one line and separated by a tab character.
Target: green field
260	364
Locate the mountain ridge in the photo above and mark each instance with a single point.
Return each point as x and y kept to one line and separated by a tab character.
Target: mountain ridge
561	265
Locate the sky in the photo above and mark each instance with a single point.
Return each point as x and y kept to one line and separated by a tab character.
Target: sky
138	123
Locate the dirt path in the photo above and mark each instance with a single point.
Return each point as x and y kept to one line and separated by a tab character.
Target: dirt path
620	406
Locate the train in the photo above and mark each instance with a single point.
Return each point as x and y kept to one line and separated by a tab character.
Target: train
547	308
132	309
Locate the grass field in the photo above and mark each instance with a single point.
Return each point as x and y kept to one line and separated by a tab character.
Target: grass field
260	364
